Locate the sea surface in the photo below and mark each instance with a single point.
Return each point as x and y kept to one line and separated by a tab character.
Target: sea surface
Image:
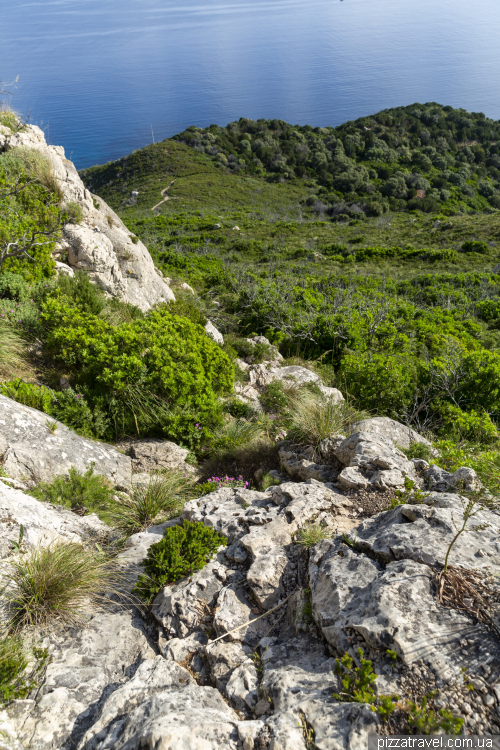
104	77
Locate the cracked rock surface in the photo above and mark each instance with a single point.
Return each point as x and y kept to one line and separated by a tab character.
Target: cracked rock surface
169	681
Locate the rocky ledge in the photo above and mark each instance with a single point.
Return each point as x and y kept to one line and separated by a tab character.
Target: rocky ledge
241	654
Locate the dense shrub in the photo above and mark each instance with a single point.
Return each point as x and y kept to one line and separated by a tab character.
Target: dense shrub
182	551
163	354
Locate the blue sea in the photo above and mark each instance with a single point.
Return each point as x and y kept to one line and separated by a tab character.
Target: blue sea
104	77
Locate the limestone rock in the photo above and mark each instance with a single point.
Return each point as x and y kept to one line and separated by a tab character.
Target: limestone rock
214	333
385	427
243	685
440	480
265	374
30	451
234	610
224	658
193	717
265	577
101	244
152	454
301	464
82	668
372	460
42	522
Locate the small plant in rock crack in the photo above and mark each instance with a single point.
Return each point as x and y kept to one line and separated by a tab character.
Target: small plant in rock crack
259	665
20	672
470	509
357	685
16	546
182	551
312	533
350	542
51	426
307	608
392	656
423	720
411	495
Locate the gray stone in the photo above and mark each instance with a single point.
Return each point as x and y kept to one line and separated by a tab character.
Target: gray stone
372	460
233	610
80	672
385	427
191	717
242	687
30	451
266	373
214	333
224	658
265	577
180	608
152	454
441	480
42	522
101	244
300	465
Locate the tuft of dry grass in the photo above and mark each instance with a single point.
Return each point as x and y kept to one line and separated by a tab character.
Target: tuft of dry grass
58	584
314	418
161	499
39	168
13	360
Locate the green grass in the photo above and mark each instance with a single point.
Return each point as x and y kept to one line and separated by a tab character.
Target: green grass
83	492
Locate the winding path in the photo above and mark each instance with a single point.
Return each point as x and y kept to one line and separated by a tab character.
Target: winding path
166	197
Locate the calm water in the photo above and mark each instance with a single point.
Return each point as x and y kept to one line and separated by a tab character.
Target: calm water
101	75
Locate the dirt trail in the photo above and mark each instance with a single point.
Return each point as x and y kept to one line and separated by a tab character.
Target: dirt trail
167	197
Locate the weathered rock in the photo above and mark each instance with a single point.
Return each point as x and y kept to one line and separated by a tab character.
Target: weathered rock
31	451
41	522
62	269
214	333
265	577
247	394
233	611
440	480
224	658
152	677
102	245
191	717
82	670
274	354
387	428
372	460
265	374
180	608
152	454
301	464
423	533
242	688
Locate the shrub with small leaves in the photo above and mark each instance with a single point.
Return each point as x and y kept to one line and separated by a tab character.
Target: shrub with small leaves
182	551
423	720
357	685
19	672
79	491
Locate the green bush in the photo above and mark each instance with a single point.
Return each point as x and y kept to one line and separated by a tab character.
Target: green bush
66	406
473	426
475	246
87	492
163	354
182	551
20	672
274	399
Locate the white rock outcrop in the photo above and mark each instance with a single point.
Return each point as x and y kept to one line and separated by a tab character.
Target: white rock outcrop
31	449
101	244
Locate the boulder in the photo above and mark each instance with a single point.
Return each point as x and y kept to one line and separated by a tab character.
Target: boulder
42	522
101	244
214	334
31	451
82	670
152	454
265	374
372	460
441	480
384	427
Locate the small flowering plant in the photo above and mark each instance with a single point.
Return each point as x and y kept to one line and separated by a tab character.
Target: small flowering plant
216	483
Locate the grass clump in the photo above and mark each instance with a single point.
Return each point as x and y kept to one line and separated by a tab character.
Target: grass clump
20	672
148	504
12	351
235	434
57	584
182	551
312	533
314	418
82	492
